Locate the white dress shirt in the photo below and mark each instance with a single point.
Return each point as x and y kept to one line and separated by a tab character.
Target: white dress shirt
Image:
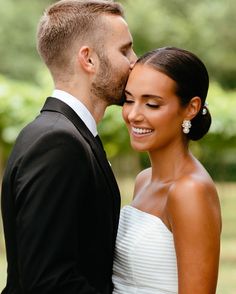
80	109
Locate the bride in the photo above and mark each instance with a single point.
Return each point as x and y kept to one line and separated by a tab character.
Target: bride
169	236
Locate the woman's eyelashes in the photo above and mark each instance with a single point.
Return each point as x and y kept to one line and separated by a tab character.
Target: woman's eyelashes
152	105
148	104
128	100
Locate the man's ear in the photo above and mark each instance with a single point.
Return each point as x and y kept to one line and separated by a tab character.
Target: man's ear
86	59
193	108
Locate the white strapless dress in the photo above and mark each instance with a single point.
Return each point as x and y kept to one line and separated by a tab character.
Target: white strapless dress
145	259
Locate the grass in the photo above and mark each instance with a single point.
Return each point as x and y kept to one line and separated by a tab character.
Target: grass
227	272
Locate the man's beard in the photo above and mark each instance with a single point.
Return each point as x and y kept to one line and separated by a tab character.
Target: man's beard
109	85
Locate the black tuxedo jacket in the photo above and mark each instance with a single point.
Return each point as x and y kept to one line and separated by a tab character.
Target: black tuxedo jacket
60	208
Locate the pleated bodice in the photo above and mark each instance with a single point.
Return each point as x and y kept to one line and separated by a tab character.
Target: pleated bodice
145	259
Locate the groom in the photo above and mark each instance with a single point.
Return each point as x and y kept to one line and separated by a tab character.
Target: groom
60	200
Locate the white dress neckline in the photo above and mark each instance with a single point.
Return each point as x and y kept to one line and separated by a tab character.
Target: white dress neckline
129	206
145	258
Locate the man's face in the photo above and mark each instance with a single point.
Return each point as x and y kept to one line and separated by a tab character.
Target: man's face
116	58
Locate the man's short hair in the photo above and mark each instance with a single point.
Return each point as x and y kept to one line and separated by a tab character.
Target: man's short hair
68	21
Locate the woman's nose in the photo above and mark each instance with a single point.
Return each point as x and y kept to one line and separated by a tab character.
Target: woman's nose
135	114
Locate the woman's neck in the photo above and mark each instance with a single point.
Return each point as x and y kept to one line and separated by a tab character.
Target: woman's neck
170	163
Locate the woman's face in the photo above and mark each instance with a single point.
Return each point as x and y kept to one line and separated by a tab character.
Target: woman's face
152	110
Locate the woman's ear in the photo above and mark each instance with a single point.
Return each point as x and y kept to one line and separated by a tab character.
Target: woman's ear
193	108
86	59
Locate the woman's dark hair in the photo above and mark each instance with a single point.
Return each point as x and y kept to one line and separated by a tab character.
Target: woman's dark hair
191	78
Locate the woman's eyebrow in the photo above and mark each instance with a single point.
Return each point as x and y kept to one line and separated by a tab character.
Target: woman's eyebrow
152	96
146	96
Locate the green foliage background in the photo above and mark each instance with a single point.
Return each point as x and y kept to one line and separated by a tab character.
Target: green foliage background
205	27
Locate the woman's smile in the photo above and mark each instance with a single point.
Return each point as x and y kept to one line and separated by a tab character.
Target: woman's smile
137	131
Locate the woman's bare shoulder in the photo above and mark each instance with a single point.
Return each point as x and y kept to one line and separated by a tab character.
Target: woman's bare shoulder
141	180
193	197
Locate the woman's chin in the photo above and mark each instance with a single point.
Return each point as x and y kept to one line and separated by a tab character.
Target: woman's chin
138	147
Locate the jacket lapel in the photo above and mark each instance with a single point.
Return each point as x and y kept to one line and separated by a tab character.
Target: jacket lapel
56	105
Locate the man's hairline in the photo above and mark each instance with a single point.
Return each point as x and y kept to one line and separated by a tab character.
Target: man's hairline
103	30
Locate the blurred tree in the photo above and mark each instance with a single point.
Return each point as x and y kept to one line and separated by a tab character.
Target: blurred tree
217	150
205	27
18	26
19	103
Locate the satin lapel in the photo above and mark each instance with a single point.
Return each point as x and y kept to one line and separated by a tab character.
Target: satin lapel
56	105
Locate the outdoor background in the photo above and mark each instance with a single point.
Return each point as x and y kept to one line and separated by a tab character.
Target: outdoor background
205	27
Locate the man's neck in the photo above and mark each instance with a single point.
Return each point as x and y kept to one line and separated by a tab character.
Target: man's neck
95	105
